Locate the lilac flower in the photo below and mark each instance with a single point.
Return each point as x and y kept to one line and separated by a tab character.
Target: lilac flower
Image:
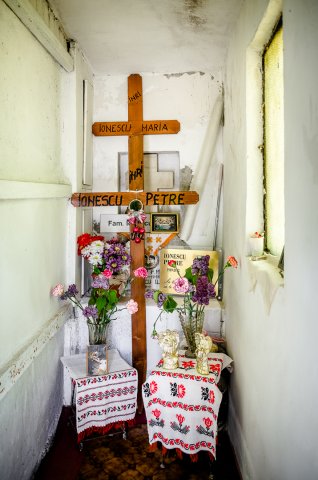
90	312
211	290
200	265
149	294
100	282
72	290
204	291
161	299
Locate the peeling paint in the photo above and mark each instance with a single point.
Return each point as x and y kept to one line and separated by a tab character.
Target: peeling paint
177	75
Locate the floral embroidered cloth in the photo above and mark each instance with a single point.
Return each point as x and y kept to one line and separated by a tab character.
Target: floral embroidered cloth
182	406
104	401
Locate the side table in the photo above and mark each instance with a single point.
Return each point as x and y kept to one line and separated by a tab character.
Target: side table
102	402
182	406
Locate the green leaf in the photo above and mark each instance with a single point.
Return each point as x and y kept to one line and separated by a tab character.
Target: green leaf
111	296
169	305
210	274
192	278
155	295
100	303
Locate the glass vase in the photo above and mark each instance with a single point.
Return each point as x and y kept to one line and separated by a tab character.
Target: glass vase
191	323
97	333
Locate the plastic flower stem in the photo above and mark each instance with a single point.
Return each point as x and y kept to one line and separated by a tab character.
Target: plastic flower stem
220	274
76	302
227	265
154	332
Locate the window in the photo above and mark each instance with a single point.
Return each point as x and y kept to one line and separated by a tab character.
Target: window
274	210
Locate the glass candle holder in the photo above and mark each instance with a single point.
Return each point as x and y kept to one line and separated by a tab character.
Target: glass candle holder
257	246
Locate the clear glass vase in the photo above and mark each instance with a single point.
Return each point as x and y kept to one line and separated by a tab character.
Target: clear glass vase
191	323
97	333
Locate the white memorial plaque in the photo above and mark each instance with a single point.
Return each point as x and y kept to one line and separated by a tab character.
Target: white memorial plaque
118	223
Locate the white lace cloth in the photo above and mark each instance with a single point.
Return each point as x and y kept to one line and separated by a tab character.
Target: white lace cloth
182	406
102	400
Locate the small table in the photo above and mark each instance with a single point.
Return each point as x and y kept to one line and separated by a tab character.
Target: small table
182	406
105	401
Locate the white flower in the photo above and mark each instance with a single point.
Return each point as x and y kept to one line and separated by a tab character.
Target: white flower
86	251
97	246
95	259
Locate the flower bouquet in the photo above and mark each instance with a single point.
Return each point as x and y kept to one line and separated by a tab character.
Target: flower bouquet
110	261
197	287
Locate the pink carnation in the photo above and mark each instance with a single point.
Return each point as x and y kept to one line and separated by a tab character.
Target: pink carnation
181	285
58	290
107	273
232	261
141	272
132	307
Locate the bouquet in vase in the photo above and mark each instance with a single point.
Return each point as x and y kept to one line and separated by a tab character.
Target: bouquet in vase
198	289
110	263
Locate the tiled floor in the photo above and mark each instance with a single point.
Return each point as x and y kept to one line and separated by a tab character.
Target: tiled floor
112	457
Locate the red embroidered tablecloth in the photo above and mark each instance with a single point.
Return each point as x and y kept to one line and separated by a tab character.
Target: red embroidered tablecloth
182	406
102	401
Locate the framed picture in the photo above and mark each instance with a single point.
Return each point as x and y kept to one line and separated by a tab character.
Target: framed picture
97	360
164	222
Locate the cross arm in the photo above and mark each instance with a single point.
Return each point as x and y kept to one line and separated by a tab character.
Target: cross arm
135	127
118	199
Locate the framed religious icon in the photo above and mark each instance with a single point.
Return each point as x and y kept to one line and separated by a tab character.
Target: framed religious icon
164	222
97	359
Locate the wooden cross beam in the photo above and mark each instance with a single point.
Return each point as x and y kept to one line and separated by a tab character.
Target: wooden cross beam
135	129
118	199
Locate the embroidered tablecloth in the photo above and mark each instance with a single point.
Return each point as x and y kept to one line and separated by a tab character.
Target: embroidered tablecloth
102	401
182	406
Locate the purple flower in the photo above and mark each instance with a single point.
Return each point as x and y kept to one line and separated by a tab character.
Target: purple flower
100	282
200	265
90	311
72	290
161	299
204	291
116	256
149	294
211	290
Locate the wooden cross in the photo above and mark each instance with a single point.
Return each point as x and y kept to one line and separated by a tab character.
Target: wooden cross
136	128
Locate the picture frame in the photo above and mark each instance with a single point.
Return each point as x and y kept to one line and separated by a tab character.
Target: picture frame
164	222
183	258
97	359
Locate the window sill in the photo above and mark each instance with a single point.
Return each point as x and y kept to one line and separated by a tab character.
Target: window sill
265	274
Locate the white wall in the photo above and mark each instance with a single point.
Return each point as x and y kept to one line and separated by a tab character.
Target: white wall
38	100
273	421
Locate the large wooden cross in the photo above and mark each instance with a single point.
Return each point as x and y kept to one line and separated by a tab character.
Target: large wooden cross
136	128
